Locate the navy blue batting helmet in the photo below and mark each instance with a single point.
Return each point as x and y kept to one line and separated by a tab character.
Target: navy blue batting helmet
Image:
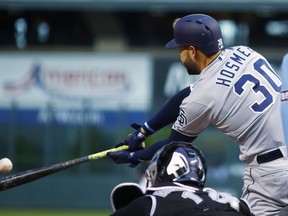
199	30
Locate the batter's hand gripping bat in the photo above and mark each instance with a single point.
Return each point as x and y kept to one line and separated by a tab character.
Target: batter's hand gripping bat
37	173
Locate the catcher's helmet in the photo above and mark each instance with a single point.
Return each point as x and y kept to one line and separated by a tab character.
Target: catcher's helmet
199	30
177	162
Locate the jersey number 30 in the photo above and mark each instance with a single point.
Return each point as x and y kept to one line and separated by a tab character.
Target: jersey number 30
263	69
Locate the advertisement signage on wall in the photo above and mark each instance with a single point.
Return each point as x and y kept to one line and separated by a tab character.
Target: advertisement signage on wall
64	85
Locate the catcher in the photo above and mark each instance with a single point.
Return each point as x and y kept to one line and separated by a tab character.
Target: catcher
176	177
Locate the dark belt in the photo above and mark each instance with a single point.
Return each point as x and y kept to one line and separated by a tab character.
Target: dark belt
269	156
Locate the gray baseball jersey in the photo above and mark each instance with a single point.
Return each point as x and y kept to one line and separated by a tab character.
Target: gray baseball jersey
238	93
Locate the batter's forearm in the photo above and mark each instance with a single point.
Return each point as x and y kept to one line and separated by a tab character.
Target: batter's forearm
168	113
147	154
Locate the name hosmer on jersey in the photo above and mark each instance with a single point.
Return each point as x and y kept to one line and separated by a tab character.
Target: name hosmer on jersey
226	75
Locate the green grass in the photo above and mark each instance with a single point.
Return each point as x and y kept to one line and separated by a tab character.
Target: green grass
49	212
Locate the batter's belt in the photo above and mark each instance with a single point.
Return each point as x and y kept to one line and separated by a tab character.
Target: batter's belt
270	155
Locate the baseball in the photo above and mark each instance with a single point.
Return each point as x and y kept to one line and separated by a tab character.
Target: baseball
5	165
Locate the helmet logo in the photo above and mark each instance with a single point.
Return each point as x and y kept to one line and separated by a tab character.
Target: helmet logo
220	43
178	166
182	118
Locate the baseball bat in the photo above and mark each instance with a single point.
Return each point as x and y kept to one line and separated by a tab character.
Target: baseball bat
37	173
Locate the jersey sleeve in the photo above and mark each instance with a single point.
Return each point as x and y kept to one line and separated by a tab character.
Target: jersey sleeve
193	118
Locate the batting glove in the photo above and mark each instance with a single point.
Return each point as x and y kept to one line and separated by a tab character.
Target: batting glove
135	141
121	157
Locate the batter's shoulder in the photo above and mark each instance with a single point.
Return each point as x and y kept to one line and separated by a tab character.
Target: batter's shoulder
238	47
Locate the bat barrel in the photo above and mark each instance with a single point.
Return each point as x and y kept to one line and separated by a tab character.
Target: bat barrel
37	173
34	174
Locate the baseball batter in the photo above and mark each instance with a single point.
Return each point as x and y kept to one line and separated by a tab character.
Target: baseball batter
238	92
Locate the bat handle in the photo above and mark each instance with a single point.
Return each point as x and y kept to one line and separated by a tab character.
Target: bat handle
104	153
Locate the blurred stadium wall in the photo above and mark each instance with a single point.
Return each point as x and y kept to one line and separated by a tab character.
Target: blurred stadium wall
75	75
